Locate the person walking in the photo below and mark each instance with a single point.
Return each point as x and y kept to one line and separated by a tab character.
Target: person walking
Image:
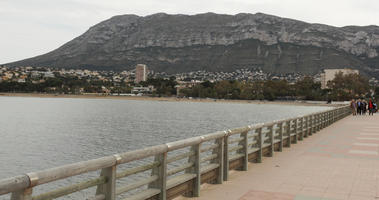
359	106
370	107
353	106
364	106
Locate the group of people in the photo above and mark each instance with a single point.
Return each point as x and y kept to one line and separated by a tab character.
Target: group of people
361	106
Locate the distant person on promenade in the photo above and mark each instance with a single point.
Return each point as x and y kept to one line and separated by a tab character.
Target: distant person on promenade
359	106
353	106
371	107
364	106
375	107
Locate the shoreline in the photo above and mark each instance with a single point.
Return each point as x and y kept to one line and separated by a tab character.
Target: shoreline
167	99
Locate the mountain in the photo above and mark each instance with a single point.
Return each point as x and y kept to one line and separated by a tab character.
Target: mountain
217	42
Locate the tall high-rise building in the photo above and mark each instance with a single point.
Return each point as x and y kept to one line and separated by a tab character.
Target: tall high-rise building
141	73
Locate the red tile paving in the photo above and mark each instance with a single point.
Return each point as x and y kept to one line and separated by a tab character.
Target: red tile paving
333	164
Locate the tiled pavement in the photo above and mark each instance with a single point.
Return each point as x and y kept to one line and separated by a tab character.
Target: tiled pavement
339	162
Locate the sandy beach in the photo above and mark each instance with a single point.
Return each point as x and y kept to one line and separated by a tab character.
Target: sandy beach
169	99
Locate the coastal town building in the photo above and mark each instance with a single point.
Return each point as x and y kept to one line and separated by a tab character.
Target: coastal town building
143	90
49	75
115	81
329	74
141	73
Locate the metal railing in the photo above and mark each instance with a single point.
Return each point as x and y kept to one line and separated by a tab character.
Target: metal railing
203	159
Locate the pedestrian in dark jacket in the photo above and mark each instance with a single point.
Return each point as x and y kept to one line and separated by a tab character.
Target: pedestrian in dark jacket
359	107
364	107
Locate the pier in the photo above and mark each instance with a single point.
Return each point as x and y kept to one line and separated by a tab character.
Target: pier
338	162
299	158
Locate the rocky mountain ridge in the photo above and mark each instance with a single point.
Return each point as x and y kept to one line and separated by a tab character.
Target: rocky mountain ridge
176	43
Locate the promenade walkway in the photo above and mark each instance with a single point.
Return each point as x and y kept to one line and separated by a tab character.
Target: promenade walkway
339	162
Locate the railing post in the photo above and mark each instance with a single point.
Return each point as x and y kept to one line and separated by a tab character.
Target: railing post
260	144
305	127
161	172
339	111
245	150
314	124
226	157
23	194
333	115
271	136
329	118
326	119
196	169
301	125
108	189
288	132
220	160
336	115
311	129
322	120
295	129
281	136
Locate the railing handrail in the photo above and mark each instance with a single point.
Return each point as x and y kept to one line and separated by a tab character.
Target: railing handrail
32	179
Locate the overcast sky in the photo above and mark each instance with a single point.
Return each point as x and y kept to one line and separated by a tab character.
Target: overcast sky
32	27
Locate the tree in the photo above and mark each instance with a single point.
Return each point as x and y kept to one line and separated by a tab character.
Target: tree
308	89
163	86
275	89
345	87
376	91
